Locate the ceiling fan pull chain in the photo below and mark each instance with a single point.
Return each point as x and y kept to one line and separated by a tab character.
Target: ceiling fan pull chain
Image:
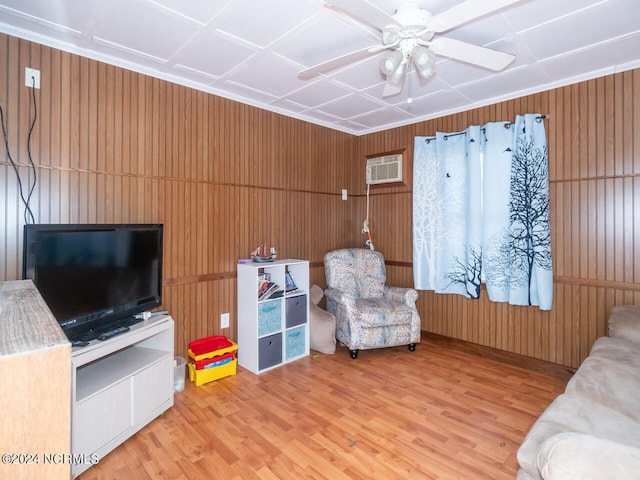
409	97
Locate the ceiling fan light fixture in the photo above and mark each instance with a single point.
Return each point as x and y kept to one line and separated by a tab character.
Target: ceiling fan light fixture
397	77
425	72
422	56
423	59
390	62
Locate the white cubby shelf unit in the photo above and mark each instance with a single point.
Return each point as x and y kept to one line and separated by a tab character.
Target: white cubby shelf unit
272	331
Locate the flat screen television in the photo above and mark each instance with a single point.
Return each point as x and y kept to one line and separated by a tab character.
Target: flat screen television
95	278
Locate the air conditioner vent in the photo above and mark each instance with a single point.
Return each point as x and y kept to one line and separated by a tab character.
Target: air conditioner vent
385	169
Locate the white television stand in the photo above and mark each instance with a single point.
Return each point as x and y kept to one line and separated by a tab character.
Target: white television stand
117	387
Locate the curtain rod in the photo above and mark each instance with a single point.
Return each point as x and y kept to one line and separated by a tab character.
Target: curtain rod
539	119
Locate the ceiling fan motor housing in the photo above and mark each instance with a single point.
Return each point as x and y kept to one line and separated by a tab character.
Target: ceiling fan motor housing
413	29
412	18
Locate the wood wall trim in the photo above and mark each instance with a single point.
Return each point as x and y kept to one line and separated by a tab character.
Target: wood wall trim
210	277
395	263
589	282
175	179
592	282
596	177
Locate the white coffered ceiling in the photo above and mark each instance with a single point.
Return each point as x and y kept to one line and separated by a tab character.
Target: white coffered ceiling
252	50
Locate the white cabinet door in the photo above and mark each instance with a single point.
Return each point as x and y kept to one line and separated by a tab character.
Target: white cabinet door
102	417
151	389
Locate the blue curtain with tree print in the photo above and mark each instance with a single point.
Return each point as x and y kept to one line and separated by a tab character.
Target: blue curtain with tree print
447	215
481	212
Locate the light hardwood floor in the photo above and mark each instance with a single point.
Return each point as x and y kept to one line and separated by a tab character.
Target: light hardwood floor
438	412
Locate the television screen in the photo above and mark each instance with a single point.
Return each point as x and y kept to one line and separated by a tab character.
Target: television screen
95	277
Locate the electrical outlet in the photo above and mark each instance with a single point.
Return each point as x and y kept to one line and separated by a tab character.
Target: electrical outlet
224	320
344	193
32	77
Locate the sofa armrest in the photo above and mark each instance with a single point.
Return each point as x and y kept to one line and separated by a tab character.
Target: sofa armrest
408	296
624	322
572	455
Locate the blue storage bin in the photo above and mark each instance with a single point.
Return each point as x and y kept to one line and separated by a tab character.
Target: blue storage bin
296	342
269	317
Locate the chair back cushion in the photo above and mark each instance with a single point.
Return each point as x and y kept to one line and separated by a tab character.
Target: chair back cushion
357	271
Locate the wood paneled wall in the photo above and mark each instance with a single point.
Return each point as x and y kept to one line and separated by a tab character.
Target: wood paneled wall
594	155
112	145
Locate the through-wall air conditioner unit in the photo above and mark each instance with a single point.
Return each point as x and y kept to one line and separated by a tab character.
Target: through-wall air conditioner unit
384	169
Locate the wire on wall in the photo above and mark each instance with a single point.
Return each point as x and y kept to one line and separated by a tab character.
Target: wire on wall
28	213
365	225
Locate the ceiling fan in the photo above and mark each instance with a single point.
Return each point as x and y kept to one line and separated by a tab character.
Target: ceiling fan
409	35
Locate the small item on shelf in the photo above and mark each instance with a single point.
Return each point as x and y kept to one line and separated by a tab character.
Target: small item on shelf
270	290
264	253
263	283
290	285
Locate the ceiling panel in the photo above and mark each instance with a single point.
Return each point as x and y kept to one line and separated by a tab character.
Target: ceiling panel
199	12
323	37
533	13
584	28
317	94
72	14
269	73
349	106
385	116
252	50
151	31
199	55
262	26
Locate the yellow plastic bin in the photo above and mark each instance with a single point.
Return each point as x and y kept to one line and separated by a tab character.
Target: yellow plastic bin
200	377
211	358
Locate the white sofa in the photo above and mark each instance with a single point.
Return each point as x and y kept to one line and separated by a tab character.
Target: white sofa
592	430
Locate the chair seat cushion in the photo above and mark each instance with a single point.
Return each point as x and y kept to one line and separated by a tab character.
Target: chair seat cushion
382	312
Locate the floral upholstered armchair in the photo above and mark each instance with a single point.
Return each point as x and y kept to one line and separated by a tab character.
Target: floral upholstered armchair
368	313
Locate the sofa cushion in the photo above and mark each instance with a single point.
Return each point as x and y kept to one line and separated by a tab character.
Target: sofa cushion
616	349
568	413
605	377
522	475
624	322
576	456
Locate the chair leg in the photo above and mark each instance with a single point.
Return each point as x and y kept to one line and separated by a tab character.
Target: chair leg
412	347
354	353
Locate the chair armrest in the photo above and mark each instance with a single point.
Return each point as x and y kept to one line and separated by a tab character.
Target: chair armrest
408	296
624	322
340	297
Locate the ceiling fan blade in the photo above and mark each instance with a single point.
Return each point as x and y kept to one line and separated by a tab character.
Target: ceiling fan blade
338	62
390	90
465	12
365	12
470	53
